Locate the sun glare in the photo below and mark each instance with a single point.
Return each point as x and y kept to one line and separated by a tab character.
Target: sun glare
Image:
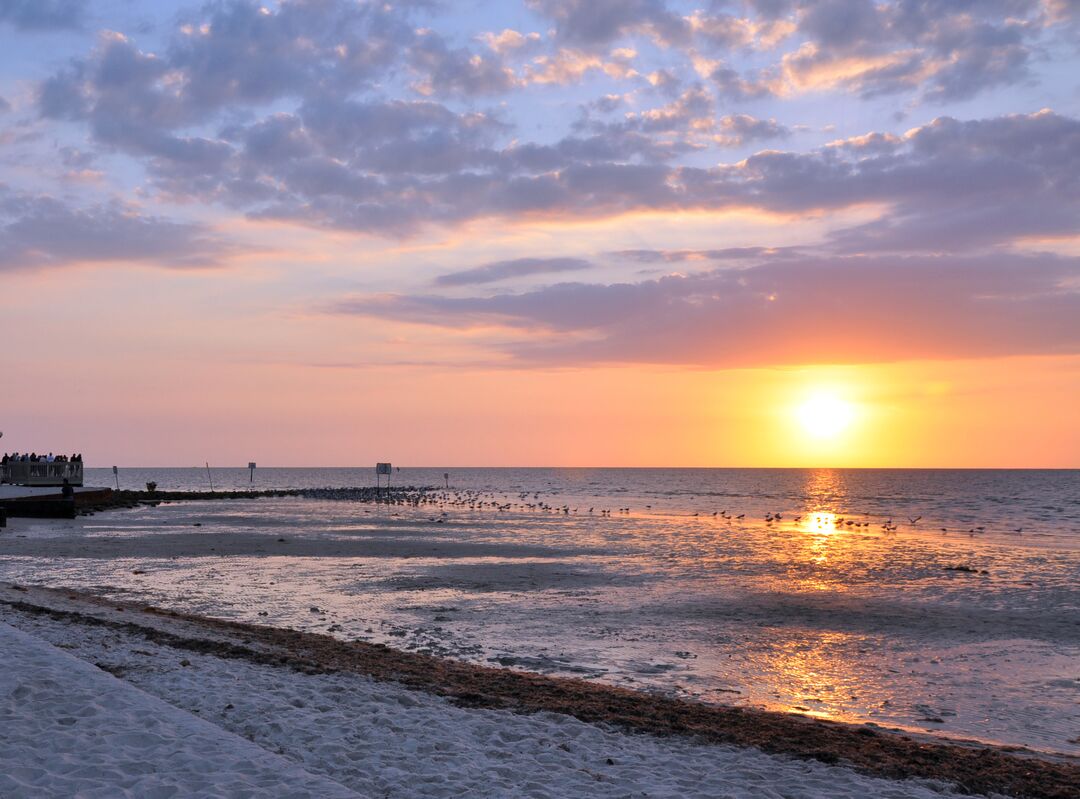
825	415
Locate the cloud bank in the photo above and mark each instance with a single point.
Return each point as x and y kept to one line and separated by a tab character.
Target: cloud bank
847	309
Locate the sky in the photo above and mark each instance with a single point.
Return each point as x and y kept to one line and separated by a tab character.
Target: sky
550	232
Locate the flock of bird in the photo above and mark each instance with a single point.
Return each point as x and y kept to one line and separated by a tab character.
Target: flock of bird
531	501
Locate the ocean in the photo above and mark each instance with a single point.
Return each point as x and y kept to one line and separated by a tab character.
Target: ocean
1043	502
945	602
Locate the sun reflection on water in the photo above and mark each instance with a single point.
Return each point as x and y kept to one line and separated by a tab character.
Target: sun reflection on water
820	522
811	678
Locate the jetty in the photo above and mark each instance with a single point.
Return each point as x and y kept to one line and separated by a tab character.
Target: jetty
36	488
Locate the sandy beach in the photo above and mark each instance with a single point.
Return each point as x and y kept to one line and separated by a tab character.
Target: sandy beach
376	721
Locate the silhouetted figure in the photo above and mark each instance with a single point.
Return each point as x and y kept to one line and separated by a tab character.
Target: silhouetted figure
66	491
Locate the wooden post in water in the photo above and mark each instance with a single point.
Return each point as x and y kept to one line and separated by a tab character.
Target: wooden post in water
209	477
116	477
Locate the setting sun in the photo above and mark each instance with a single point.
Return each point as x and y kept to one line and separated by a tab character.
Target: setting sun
825	415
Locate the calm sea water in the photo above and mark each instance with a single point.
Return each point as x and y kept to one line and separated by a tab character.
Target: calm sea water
973	631
1042	503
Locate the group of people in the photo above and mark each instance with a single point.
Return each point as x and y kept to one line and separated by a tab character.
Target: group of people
33	457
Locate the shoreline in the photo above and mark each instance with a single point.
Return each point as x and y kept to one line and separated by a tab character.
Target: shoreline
876	752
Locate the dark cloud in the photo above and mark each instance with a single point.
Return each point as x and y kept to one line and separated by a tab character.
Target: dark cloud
392	167
733	85
972	184
692	118
948	50
236	54
39	231
449	70
43	15
805	310
598	22
290	113
517	267
939	50
735	130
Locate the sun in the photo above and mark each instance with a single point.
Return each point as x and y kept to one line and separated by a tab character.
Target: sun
825	415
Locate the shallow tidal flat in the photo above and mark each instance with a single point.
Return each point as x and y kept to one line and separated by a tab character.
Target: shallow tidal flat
855	626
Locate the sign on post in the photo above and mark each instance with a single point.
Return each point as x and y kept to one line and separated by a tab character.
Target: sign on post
251	470
380	470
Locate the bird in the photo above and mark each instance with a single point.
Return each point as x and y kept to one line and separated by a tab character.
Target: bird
914	519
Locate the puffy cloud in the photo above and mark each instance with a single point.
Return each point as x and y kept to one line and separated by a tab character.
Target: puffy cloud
689	122
392	167
449	70
781	311
510	41
517	267
722	30
735	130
297	113
598	22
950	50
569	65
730	83
941	50
38	231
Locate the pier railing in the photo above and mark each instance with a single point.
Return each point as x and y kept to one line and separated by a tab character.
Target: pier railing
42	473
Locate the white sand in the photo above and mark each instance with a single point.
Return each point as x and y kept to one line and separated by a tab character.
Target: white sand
70	729
80	729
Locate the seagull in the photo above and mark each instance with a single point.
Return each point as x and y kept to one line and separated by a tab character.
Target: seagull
914	519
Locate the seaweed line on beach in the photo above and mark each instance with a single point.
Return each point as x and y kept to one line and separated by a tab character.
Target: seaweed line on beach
975	769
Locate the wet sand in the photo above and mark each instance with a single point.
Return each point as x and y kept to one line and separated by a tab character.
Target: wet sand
974	768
